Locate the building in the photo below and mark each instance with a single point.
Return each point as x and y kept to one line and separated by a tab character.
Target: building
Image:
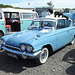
43	11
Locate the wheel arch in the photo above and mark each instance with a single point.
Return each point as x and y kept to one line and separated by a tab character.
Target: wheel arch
2	32
49	48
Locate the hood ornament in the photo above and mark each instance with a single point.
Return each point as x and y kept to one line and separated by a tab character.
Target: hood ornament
36	38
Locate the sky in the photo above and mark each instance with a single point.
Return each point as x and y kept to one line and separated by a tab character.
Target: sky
39	3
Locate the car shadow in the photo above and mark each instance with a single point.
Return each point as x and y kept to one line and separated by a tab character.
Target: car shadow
9	64
70	58
16	66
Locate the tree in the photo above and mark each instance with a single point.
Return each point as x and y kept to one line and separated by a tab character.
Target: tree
67	10
50	4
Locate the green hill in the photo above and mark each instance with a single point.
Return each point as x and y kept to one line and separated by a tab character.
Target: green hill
9	6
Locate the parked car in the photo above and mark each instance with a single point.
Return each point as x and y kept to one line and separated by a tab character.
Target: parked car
44	36
14	20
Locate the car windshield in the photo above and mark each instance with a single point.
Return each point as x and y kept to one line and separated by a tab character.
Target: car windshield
40	25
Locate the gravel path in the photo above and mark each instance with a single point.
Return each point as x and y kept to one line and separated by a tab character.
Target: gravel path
60	63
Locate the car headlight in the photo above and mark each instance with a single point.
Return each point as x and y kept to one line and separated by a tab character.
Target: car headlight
23	47
29	48
2	42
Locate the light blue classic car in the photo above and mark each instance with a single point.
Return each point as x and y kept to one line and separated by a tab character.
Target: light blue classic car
44	36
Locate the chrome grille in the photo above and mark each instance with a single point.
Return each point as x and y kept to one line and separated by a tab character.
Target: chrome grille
12	48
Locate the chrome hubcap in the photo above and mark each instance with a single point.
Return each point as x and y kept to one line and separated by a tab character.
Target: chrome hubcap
44	55
73	42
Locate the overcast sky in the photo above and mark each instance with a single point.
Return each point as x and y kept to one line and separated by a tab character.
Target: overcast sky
39	3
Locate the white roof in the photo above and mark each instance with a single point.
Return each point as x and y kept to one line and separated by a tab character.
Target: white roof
49	19
52	16
45	19
16	10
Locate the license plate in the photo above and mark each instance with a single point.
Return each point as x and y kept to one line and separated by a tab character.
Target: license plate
12	55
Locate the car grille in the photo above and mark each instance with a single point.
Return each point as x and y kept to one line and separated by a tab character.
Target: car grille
12	48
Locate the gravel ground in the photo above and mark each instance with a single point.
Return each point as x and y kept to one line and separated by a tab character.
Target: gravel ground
61	62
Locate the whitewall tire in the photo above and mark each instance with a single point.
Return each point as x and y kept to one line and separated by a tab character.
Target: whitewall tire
72	42
43	56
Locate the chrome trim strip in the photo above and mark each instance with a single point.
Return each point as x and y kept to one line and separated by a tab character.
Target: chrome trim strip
22	53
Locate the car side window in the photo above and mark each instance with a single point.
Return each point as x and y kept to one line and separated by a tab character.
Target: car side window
0	15
27	15
67	23
61	24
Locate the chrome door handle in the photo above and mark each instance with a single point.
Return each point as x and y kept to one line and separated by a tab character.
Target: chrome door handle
2	23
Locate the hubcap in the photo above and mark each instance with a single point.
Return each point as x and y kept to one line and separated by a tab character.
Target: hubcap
72	41
44	55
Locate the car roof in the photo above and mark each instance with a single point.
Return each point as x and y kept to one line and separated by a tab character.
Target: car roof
48	19
16	10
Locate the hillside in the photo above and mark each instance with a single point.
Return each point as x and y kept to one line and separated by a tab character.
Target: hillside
9	6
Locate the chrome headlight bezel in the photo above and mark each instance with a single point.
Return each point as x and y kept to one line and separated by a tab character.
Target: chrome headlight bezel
26	48
29	48
2	42
22	47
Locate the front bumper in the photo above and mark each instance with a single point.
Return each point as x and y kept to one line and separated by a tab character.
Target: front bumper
22	53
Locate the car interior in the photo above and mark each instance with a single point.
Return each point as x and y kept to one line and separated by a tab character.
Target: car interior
12	21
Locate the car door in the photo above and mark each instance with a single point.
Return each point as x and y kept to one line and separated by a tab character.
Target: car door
70	29
25	20
62	33
2	22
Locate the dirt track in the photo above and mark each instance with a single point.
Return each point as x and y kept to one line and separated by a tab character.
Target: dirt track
60	63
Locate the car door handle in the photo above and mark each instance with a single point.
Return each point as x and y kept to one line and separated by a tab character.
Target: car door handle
2	23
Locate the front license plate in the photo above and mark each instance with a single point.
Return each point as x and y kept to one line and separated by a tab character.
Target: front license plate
12	55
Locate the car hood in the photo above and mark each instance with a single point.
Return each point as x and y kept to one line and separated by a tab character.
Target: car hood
23	37
70	15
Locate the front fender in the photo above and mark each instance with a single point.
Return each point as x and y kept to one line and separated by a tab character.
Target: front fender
38	44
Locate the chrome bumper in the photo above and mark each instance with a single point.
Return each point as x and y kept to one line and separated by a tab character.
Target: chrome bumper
21	53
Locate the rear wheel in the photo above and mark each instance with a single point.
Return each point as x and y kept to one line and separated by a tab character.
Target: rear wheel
43	56
72	42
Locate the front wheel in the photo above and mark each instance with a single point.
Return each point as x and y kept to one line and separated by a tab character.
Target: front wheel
72	42
43	56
